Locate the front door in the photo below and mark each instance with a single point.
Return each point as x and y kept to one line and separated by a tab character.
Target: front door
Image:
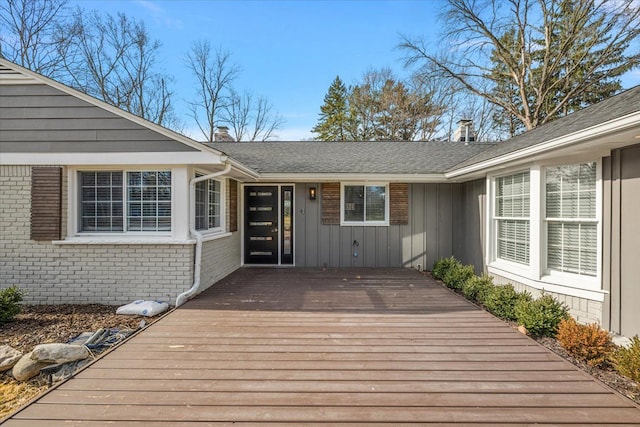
268	232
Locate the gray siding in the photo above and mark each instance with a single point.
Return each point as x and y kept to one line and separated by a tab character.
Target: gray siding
469	216
621	240
38	118
427	237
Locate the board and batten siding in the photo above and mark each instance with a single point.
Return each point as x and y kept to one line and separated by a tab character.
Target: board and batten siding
36	118
621	240
427	237
469	216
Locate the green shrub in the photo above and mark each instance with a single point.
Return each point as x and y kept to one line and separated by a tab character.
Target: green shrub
476	288
441	266
501	301
10	303
586	342
542	316
627	360
457	275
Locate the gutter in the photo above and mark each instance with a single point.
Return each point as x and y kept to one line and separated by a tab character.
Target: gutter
185	296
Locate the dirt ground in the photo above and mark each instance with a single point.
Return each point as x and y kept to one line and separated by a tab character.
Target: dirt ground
43	324
609	376
46	324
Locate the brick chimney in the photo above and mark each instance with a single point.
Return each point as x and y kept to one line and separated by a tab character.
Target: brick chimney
222	135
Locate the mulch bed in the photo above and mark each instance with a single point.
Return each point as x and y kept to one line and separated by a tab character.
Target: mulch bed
47	324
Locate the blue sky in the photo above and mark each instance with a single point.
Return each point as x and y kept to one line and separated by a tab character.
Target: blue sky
289	51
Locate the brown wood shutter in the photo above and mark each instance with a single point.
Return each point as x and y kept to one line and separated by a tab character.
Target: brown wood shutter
46	203
233	205
330	193
399	199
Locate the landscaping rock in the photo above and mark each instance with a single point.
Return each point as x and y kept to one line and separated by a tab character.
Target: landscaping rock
59	353
27	368
522	330
9	356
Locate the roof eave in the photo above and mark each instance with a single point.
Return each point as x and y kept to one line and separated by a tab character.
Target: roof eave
600	130
345	177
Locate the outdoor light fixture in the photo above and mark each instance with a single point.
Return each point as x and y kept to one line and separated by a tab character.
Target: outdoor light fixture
312	193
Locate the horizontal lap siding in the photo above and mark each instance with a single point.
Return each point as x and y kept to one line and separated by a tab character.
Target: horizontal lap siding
39	118
422	240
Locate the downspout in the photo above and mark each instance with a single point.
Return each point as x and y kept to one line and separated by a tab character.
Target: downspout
183	297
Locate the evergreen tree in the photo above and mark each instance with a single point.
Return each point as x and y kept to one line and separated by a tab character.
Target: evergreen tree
332	125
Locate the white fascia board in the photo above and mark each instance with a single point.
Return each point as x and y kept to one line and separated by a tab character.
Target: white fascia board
103	105
344	177
120	158
612	126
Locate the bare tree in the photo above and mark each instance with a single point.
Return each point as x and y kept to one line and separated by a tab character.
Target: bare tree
214	73
114	59
250	118
562	53
29	33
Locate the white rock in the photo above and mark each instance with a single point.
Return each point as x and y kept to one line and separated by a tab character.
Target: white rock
9	356
59	353
27	368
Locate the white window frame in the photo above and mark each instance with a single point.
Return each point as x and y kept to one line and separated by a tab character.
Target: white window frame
365	223
496	219
563	277
223	206
536	274
179	233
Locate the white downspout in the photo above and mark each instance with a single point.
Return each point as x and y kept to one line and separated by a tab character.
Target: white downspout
183	297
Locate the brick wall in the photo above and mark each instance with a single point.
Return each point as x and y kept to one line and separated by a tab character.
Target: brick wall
582	309
220	258
57	274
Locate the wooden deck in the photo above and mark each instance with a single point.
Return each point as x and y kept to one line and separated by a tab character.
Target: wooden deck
340	347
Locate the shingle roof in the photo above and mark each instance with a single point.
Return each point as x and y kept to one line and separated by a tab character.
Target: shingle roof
350	157
377	157
624	103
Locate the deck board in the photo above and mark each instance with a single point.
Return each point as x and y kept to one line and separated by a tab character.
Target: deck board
341	347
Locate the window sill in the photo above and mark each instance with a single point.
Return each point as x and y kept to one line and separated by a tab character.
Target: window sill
364	224
587	289
123	240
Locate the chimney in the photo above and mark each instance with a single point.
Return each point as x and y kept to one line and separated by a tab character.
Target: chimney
222	134
464	132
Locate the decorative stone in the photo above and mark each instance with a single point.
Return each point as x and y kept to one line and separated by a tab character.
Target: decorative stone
9	356
57	353
522	330
27	368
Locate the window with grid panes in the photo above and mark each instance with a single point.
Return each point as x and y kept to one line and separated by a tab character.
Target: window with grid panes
572	235
208	204
146	207
512	204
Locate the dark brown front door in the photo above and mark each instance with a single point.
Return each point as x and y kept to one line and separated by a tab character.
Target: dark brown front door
261	225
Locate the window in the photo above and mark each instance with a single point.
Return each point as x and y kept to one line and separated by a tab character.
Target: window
366	204
572	235
208	205
512	203
147	203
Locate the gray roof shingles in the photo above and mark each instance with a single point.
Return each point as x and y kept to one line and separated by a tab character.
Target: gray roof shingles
407	158
621	105
350	157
